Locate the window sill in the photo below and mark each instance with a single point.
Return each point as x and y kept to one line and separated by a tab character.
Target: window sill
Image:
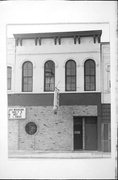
66	92
59	155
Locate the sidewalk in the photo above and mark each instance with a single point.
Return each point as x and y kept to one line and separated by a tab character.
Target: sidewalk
64	155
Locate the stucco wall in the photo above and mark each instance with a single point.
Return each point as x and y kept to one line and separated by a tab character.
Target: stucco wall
105	73
48	46
39	54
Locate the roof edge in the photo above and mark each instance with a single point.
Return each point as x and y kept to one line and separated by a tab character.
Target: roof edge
67	34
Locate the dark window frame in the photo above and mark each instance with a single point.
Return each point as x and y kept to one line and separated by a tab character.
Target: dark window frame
9	79
89	76
27	77
47	76
84	120
71	76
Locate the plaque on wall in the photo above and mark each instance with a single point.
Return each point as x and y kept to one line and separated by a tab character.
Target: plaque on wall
17	113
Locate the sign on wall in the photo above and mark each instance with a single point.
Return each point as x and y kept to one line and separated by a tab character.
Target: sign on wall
17	113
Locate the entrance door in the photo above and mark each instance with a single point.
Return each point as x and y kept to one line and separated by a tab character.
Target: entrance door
106	137
91	133
78	141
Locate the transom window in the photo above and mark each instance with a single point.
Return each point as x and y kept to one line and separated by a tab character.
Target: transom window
49	76
70	76
9	77
27	77
89	75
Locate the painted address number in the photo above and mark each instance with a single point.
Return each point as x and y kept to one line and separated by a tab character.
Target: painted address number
16	113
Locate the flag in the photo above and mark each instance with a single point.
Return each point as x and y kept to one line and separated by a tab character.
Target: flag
56	101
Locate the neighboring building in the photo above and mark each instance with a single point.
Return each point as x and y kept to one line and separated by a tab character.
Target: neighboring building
78	64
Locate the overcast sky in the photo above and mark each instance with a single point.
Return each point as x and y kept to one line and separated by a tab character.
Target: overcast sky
59	27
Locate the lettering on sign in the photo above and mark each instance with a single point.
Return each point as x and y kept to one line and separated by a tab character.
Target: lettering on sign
16	113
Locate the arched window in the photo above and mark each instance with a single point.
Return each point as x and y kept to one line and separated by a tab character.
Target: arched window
89	75
27	77
9	77
49	76
70	76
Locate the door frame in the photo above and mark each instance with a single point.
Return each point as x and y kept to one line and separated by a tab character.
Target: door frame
83	132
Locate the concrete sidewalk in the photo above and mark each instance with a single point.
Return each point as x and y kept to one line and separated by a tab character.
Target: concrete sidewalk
64	155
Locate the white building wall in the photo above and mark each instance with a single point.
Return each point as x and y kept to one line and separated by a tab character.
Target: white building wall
105	68
60	60
60	54
11	60
50	47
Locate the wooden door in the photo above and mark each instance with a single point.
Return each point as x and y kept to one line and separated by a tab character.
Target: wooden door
91	133
78	134
106	137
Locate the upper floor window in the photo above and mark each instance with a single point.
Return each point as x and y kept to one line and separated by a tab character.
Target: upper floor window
49	76
9	77
27	77
89	75
70	76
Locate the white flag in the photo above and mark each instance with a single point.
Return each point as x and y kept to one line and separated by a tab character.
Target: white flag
56	100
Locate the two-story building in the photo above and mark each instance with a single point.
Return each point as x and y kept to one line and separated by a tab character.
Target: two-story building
77	63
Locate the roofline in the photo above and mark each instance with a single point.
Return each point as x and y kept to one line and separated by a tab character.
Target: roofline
106	42
59	34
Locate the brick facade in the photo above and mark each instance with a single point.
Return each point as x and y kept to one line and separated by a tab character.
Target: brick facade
54	132
106	113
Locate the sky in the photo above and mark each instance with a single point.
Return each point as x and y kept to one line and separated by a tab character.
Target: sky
58	27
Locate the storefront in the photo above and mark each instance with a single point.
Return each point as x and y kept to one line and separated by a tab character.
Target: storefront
77	63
